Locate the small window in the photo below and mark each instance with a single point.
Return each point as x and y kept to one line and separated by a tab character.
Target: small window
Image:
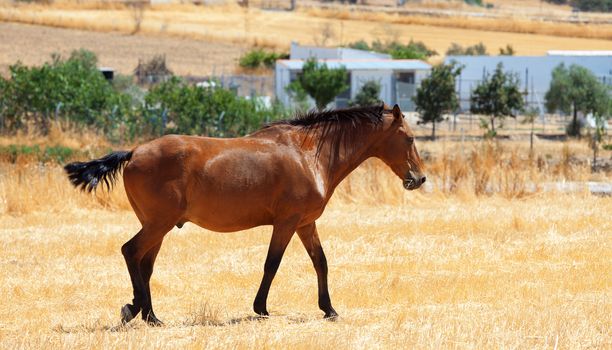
405	77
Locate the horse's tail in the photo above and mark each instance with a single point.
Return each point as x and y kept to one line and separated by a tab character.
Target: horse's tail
87	175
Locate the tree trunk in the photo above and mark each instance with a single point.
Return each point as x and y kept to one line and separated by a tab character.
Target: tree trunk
493	124
433	130
531	137
575	127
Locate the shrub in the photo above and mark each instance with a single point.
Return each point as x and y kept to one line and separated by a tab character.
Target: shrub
475	50
177	107
71	89
593	5
411	50
257	58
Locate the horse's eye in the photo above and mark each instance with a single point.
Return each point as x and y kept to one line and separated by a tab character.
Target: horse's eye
409	140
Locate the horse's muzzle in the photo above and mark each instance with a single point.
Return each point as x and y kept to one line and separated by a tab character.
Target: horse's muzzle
412	182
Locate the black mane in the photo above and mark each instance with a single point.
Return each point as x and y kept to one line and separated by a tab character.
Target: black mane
338	127
354	115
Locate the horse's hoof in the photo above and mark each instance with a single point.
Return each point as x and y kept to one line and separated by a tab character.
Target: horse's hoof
331	316
154	322
126	314
262	313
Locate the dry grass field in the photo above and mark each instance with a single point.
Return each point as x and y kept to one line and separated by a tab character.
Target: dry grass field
34	44
426	269
230	25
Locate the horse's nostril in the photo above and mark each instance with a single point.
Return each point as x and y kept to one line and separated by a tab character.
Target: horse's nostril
423	179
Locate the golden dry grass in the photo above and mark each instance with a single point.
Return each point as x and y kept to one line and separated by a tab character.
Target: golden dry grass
407	269
232	25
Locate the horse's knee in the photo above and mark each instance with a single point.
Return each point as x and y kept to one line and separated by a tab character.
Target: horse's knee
127	250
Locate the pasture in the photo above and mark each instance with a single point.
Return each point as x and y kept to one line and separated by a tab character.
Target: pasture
425	269
199	38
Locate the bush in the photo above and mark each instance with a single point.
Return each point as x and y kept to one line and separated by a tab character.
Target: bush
593	5
257	58
176	107
71	89
475	50
411	50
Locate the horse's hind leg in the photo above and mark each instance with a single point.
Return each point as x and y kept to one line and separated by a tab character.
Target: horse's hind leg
134	251
146	268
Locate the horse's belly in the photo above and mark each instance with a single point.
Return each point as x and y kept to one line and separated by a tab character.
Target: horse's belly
227	215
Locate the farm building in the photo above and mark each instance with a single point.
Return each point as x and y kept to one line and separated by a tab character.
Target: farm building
534	72
398	79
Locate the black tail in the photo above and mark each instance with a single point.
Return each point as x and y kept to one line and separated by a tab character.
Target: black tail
87	175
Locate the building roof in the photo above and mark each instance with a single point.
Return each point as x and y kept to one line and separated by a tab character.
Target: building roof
300	52
361	64
578	53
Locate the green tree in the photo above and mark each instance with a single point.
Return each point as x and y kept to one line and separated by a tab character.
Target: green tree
437	95
576	90
320	82
497	96
368	95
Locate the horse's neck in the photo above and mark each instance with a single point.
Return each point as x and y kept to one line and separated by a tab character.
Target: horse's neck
334	164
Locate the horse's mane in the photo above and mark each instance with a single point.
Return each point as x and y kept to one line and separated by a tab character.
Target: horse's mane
354	115
337	126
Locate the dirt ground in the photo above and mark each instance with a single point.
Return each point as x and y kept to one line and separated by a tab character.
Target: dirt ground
33	45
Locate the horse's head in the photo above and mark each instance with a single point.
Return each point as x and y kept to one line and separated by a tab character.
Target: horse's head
398	151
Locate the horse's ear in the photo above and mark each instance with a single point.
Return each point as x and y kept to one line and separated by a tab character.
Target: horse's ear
397	113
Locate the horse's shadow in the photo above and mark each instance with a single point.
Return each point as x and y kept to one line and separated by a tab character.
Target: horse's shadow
97	327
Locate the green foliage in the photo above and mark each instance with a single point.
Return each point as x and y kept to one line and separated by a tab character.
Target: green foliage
412	50
497	96
56	154
475	50
257	58
74	90
368	95
586	5
320	82
507	51
437	95
593	5
474	2
71	89
576	90
177	107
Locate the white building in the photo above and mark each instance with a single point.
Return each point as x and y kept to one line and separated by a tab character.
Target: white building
398	79
534	72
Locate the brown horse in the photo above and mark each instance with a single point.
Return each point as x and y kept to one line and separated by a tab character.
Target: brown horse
282	175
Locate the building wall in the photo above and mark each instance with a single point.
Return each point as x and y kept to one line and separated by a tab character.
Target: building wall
386	78
383	77
534	73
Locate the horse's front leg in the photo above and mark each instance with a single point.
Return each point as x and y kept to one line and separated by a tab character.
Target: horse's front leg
310	238
281	235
